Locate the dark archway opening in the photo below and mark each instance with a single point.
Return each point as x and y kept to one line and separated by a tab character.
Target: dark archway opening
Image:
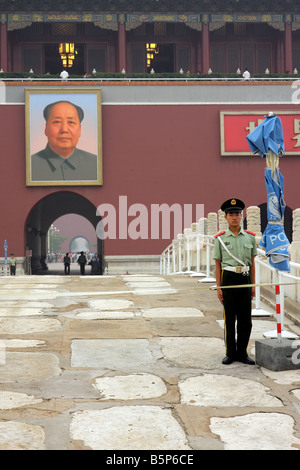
44	213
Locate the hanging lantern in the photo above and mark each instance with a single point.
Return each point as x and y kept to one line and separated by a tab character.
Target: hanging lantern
151	49
67	53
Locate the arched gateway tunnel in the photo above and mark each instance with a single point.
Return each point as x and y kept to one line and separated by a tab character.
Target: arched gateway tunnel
44	213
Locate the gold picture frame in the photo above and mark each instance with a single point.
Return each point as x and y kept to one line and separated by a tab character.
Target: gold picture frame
53	157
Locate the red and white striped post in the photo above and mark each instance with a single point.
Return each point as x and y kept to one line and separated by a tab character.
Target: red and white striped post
278	313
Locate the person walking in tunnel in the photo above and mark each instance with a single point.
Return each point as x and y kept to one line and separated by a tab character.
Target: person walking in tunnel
82	262
67	261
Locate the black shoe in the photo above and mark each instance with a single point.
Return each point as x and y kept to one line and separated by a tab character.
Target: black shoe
247	360
227	360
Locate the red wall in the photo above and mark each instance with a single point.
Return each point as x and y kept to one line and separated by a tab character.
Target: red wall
152	155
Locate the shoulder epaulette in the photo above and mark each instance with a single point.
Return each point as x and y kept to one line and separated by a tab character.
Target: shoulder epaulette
218	234
251	233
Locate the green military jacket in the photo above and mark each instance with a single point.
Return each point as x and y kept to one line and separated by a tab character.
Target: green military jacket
47	165
242	246
12	261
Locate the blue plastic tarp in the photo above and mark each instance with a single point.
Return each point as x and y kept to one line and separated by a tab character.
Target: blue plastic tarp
274	239
268	135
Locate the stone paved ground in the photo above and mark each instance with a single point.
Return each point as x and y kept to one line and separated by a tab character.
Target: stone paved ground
133	362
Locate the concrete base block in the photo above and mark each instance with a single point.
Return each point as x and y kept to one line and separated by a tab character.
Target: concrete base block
275	355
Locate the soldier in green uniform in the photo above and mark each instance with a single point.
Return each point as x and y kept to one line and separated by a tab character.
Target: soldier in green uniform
234	252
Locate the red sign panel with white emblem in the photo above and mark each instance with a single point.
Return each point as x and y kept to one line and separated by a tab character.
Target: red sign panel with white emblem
235	126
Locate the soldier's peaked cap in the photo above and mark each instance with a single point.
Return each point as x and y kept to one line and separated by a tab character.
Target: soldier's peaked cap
232	205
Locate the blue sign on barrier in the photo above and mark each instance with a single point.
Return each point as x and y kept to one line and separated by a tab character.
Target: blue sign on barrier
5	251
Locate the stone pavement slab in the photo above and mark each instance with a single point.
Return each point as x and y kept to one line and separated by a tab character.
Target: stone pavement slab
132	363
